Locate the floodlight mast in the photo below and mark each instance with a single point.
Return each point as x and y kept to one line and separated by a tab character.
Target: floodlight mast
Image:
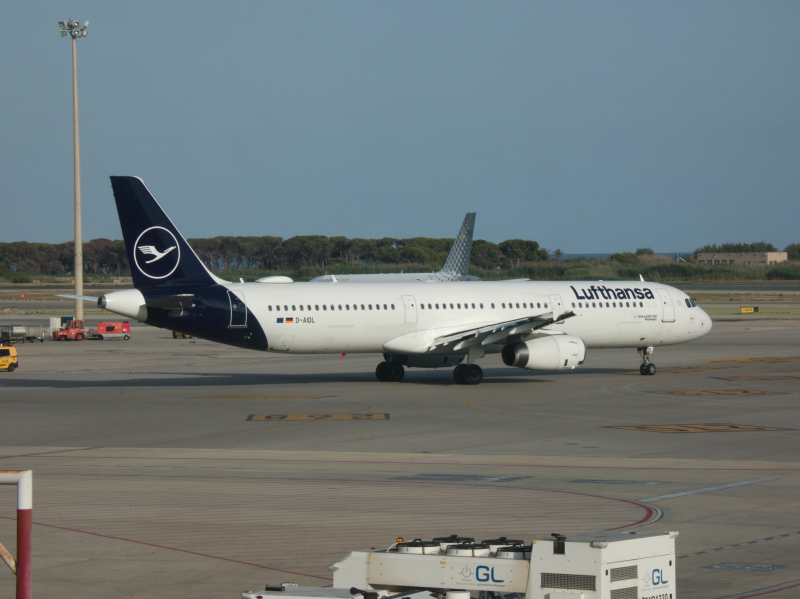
74	30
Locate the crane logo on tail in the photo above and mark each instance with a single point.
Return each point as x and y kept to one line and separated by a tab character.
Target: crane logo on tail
149	249
156	243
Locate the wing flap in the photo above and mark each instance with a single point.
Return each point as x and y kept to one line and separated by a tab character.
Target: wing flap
494	333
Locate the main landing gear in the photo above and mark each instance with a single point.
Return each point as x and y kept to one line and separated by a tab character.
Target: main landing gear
468	374
646	367
464	374
390	372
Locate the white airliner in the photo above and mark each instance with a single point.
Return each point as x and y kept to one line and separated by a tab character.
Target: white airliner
455	267
534	325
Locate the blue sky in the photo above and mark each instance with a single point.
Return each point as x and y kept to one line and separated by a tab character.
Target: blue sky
589	127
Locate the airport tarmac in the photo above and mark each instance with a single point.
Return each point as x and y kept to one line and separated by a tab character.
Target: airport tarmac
182	468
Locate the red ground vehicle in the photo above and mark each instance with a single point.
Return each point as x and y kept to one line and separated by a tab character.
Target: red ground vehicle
74	332
105	330
111	330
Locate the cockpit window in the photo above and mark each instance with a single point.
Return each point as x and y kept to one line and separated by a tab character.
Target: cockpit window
690	302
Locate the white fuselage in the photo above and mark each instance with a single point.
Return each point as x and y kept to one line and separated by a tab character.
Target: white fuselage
407	317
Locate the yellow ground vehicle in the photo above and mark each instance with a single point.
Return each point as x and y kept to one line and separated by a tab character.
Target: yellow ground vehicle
8	358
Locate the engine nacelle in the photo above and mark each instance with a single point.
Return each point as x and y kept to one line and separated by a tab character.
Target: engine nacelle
554	352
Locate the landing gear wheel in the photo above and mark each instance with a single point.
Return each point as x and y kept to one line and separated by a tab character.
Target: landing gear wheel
380	372
389	371
458	374
473	375
396	372
650	369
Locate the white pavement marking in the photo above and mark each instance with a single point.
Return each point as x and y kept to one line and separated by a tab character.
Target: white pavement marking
707	489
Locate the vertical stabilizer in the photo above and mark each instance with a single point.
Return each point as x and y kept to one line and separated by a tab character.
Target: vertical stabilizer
457	263
158	254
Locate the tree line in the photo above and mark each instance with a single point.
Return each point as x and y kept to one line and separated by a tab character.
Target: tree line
106	256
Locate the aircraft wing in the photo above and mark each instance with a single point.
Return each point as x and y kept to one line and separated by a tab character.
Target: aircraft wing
494	333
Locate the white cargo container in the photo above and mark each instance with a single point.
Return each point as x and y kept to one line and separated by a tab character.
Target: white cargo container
606	565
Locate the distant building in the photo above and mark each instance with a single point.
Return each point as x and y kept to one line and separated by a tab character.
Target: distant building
744	258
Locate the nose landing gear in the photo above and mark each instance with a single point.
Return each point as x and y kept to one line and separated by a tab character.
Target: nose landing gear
646	367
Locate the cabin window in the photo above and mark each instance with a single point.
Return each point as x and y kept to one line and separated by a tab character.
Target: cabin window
444	306
517	304
594	305
370	306
437	306
377	306
324	307
473	306
340	306
270	308
294	309
503	304
429	306
385	308
278	308
301	307
493	305
451	306
481	305
641	304
347	306
316	308
545	304
392	306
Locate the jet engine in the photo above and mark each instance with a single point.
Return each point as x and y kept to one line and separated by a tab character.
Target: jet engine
554	352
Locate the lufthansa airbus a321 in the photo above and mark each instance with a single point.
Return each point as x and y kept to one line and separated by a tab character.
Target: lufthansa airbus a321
535	325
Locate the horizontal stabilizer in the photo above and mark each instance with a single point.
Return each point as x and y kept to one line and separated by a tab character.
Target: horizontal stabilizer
86	298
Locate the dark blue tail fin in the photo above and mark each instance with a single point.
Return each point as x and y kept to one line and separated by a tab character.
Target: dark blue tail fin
158	254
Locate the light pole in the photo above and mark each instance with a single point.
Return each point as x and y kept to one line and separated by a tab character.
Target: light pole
74	30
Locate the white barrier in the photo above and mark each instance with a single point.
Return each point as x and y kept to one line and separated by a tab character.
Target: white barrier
22	567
